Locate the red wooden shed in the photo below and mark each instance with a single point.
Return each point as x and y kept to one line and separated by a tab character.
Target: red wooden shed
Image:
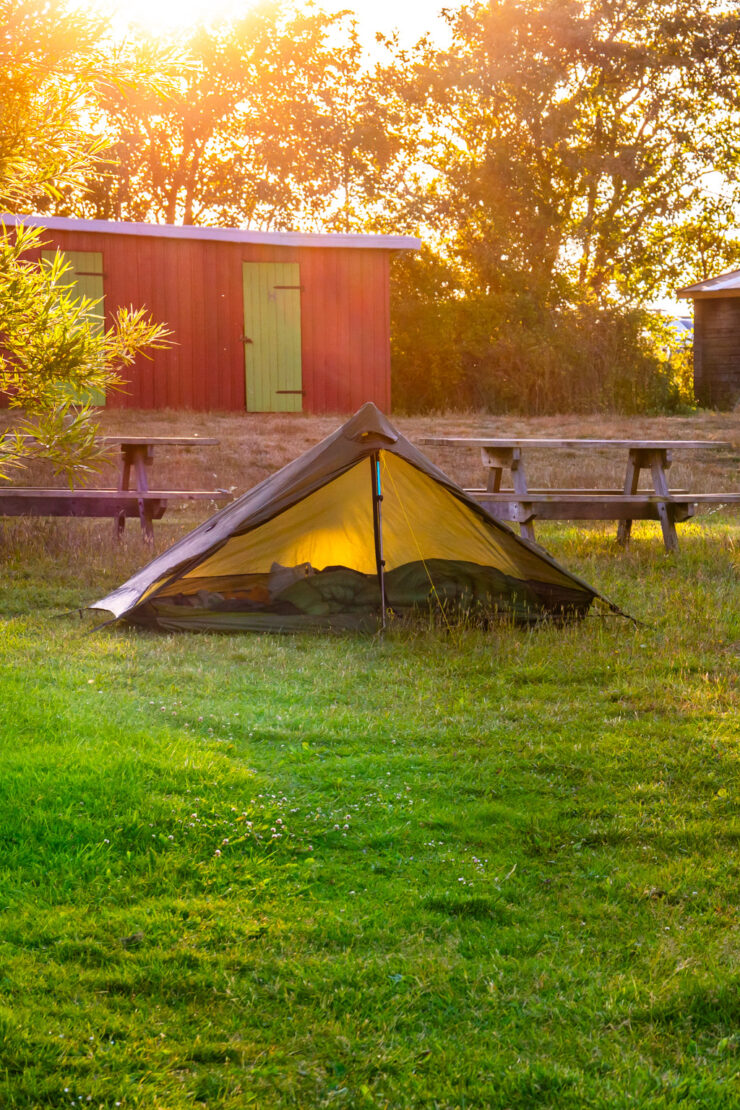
261	321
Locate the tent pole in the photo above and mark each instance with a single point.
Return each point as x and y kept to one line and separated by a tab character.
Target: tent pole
378	529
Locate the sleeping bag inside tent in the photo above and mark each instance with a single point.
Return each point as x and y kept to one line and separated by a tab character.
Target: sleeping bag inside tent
361	530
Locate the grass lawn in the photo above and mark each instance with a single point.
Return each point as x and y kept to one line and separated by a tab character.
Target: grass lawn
470	870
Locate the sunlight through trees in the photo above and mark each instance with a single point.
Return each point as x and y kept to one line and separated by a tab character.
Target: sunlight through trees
566	163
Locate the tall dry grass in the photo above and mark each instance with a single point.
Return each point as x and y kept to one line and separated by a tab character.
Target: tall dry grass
252	446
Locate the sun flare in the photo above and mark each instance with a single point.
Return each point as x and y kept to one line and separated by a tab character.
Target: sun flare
164	15
160	16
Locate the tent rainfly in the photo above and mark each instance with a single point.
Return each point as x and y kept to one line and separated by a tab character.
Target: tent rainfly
358	530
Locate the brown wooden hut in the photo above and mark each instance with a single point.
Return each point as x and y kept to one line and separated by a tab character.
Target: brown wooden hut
261	321
716	339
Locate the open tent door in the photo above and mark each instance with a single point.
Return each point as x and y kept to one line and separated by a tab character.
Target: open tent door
272	336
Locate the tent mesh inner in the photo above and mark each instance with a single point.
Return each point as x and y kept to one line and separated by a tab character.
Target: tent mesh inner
338	596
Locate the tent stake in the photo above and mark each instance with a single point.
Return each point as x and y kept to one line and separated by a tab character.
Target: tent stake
378	529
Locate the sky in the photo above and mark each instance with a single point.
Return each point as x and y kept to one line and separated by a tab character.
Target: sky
412	18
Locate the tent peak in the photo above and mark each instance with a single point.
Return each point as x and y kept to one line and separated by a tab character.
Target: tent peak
369	424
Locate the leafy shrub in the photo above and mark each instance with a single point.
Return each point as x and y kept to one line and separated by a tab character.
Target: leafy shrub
514	352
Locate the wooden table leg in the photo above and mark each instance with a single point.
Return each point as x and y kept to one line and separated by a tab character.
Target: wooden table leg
141	458
145	517
493	478
124	479
660	461
631	482
138	457
519	481
498	459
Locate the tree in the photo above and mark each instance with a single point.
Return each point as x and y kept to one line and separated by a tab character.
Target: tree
50	348
268	121
52	354
51	63
569	148
560	132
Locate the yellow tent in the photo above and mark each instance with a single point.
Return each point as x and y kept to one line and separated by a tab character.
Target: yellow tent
360	530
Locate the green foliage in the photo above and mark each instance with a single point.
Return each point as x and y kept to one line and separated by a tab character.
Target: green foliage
483	870
578	165
50	348
510	352
564	135
50	352
566	161
52	66
267	121
702	244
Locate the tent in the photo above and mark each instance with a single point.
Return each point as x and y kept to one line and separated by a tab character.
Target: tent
360	530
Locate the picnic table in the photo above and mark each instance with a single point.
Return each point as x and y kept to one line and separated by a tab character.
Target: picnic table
523	505
136	456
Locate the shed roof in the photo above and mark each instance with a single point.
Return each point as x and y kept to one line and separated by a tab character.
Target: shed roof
725	285
220	234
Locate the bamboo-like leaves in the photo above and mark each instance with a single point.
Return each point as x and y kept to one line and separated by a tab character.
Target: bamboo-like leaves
51	352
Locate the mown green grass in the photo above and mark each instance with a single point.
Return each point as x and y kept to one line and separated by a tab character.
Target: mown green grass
503	871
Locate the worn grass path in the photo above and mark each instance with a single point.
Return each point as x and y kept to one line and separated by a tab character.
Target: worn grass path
479	870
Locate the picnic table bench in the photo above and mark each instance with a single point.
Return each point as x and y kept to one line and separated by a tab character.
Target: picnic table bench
136	455
523	505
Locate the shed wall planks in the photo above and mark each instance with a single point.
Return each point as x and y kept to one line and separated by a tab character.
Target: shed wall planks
195	288
717	351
